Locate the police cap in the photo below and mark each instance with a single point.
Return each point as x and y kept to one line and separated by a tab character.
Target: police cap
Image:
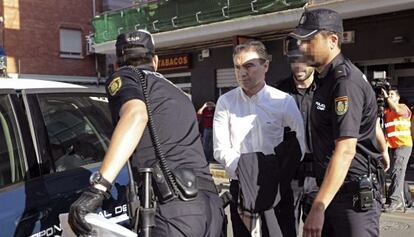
136	42
292	48
315	20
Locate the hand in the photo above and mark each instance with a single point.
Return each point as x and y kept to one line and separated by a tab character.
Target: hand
200	110
384	92
88	202
385	160
314	221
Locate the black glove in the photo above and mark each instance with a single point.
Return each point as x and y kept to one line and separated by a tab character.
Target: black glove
88	202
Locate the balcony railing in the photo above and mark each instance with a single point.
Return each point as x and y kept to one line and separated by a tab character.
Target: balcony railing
160	16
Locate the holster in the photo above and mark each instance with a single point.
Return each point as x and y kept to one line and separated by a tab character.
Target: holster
186	182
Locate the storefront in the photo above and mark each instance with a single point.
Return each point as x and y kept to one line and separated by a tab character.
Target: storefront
385	43
204	69
176	68
375	43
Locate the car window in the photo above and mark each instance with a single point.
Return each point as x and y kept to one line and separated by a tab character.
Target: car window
78	127
12	165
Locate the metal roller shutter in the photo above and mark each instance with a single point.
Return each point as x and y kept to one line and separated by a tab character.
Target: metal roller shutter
226	78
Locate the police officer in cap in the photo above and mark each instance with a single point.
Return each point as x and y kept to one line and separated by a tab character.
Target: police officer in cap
343	126
176	126
300	85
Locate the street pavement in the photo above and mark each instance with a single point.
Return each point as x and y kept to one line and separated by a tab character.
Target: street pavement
396	224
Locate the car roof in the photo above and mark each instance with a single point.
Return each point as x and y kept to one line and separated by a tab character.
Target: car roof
21	84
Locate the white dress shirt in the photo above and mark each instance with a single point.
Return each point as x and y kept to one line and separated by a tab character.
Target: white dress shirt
245	124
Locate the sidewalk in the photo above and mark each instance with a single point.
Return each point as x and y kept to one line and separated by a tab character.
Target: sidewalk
397	224
391	224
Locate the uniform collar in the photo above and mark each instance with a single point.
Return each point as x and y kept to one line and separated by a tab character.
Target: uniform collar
339	59
141	67
257	97
146	67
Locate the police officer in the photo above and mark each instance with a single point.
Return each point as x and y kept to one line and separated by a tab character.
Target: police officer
176	125
343	126
300	85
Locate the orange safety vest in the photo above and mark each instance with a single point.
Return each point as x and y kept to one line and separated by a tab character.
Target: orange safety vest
398	128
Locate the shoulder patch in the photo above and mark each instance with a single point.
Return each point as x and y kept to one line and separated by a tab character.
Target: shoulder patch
114	86
340	71
341	105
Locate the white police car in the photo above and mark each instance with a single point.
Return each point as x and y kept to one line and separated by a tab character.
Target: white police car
52	136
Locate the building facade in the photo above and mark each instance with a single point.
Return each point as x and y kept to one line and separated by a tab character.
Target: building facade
378	37
47	39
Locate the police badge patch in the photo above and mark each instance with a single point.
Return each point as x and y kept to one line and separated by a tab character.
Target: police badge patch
114	86
341	105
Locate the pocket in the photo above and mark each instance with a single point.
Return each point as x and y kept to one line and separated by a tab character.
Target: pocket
274	129
187	218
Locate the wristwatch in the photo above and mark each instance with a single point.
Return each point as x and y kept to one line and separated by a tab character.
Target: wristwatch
97	178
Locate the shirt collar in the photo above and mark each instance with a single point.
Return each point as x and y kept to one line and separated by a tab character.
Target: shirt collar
257	97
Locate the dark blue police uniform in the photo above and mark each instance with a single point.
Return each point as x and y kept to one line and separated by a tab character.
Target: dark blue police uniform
344	105
176	126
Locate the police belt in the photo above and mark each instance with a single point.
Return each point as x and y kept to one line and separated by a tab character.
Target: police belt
350	187
204	184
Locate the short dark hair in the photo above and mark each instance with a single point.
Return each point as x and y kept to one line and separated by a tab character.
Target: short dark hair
326	33
252	45
396	91
135	59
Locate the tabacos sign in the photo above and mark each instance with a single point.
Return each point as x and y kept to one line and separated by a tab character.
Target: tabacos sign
173	62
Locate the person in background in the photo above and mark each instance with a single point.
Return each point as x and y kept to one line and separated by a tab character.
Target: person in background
205	117
300	85
397	121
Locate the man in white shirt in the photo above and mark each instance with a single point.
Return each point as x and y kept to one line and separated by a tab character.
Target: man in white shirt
251	118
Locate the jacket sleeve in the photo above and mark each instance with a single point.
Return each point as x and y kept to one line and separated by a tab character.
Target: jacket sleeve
293	120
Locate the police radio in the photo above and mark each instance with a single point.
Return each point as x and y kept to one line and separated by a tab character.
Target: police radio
364	198
365	193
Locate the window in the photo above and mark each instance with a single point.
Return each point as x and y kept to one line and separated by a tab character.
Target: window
70	43
78	127
226	80
12	166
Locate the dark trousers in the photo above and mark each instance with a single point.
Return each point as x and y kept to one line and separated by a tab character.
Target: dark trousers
239	229
201	217
399	161
343	220
284	213
208	143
